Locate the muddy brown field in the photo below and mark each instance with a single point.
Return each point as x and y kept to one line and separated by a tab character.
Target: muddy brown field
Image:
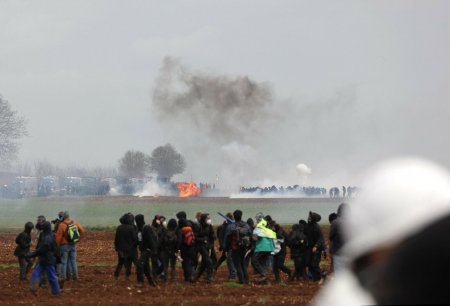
96	286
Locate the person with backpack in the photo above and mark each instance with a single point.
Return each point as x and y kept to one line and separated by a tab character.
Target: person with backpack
23	241
186	245
204	241
147	241
298	243
67	236
46	263
316	245
169	249
238	240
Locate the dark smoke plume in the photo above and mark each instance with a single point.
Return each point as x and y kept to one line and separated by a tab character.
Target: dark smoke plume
226	108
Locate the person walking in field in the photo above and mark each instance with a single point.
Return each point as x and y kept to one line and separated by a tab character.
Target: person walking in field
264	238
47	261
169	249
238	240
67	236
23	241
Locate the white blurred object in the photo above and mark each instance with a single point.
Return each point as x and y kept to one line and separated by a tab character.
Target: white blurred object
398	198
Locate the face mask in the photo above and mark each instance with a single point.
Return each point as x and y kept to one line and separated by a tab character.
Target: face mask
209	221
165	223
158	222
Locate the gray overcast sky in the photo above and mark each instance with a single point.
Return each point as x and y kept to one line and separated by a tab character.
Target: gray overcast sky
352	81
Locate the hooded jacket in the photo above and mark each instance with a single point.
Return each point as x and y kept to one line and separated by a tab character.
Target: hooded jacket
47	247
265	237
23	240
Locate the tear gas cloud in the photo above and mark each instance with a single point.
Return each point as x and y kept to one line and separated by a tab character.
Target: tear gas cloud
234	131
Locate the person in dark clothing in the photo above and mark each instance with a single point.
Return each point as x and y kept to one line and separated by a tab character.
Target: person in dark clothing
316	245
251	251
169	249
238	240
39	236
221	229
159	230
147	247
125	244
47	261
186	241
280	257
23	241
205	241
298	243
337	239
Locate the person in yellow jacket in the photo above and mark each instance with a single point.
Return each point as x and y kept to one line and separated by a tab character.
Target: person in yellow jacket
264	238
67	247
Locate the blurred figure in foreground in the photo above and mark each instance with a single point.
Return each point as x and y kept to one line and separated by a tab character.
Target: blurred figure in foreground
395	250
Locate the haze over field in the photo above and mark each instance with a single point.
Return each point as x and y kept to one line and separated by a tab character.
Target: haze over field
246	91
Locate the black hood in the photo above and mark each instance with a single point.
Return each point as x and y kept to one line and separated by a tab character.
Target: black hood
28	227
315	217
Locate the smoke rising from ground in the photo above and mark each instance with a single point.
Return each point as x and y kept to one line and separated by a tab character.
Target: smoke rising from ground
234	131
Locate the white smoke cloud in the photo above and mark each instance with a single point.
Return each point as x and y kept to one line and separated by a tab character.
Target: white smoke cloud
303	171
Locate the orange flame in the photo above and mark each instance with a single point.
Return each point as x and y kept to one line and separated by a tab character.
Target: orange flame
188	190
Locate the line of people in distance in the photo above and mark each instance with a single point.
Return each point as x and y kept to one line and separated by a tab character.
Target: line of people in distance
155	248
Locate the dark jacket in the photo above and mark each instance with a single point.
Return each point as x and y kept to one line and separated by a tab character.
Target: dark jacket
126	239
205	235
336	236
230	242
314	233
23	241
297	241
149	239
46	250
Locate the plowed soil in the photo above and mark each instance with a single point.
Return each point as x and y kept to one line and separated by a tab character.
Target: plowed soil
96	286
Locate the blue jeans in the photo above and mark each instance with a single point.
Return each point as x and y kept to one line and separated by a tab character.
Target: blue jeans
231	267
51	276
69	258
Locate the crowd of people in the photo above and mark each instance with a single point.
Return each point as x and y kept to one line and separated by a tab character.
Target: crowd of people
386	247
153	249
56	251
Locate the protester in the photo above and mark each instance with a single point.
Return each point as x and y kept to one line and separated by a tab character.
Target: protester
280	257
23	241
169	248
226	255
316	245
149	249
46	262
67	245
125	243
394	246
204	241
336	237
159	230
238	240
264	246
298	243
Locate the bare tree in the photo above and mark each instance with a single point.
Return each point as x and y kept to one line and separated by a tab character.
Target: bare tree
166	162
12	128
133	164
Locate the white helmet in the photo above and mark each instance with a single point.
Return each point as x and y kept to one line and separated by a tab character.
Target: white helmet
399	198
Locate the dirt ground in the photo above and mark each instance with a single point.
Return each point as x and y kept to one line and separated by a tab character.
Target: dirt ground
96	286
